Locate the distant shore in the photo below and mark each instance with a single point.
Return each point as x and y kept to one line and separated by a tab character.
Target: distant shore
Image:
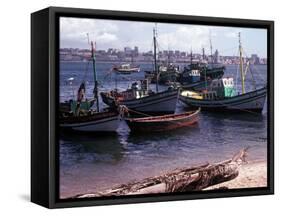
137	62
253	174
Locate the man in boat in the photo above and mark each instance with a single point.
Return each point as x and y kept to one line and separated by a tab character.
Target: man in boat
80	97
81	92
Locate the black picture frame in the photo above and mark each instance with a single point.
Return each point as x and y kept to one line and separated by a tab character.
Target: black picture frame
44	104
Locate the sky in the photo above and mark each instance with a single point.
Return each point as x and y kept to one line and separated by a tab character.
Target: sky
120	34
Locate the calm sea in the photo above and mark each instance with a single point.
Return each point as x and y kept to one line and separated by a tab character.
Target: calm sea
90	163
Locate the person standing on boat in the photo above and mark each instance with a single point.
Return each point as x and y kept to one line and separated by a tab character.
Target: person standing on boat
80	98
81	92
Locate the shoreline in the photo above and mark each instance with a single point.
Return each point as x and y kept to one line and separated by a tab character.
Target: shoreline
251	175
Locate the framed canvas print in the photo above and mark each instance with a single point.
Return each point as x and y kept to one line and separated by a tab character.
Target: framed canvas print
137	107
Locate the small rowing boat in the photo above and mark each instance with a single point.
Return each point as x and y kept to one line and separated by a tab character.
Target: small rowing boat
164	122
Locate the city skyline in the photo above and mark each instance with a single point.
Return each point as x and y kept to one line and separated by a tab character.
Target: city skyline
182	37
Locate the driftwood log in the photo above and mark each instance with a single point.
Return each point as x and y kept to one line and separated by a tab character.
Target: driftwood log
180	180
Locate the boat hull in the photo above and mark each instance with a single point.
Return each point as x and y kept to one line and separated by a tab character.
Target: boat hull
251	101
162	123
159	103
100	122
127	71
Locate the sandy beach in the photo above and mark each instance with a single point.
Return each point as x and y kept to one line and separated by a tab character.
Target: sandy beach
253	174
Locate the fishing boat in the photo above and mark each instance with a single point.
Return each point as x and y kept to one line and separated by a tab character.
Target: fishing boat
104	121
126	69
164	122
197	75
222	96
141	99
90	120
84	103
167	73
70	105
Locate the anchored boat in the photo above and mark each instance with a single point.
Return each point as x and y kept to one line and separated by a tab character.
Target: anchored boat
167	73
85	104
140	98
221	94
90	120
197	75
164	122
105	121
126	69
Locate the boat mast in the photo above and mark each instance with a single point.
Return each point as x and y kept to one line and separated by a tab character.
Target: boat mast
155	58
241	64
211	49
96	94
204	68
203	54
191	57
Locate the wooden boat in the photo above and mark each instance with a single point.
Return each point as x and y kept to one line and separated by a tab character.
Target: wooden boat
167	73
70	105
182	179
252	101
163	123
198	75
90	120
104	121
143	100
140	98
85	104
221	95
126	69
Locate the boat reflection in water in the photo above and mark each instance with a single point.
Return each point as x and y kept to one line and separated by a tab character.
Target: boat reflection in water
91	148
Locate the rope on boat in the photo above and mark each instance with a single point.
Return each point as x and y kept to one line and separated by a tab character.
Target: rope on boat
256	69
123	109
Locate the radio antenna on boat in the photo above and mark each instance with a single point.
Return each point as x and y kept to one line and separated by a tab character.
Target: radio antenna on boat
241	64
88	38
203	54
191	57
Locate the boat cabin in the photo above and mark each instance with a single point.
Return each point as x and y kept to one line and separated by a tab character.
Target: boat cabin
190	76
139	89
219	89
223	87
125	66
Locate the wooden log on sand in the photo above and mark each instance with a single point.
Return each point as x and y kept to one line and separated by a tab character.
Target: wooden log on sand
180	180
